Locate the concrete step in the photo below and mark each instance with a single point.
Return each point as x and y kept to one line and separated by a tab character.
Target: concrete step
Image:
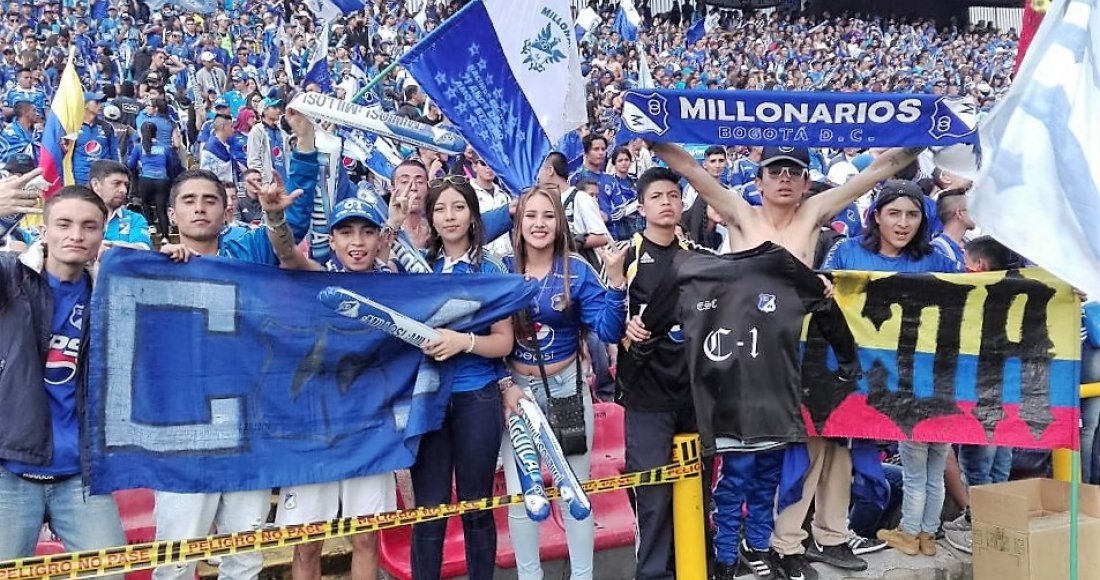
947	564
618	564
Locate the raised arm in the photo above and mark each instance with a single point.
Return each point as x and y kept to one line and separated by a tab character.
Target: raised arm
732	207
304	173
274	202
832	202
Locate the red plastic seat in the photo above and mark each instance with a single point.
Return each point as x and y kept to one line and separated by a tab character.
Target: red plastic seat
135	508
395	545
609	437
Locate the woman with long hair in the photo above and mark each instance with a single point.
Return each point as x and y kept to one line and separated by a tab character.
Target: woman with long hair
622	208
465	448
246	118
547	354
155	166
897	240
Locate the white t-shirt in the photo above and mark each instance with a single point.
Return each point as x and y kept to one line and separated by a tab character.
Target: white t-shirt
583	214
502	246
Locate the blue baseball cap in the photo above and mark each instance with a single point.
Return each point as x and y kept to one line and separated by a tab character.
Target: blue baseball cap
799	156
90	96
220	102
354	207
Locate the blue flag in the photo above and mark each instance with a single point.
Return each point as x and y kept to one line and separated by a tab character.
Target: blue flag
220	375
318	71
627	21
507	74
700	28
99	9
328	10
801	119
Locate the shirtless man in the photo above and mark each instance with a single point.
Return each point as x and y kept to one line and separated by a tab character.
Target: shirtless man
784	219
782	179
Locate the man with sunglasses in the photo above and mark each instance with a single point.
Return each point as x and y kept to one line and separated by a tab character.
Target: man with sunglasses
785	219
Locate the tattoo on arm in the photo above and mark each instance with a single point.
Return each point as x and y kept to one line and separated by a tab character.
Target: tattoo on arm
282	241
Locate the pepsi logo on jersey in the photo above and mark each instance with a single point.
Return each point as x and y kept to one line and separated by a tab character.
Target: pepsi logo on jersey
61	359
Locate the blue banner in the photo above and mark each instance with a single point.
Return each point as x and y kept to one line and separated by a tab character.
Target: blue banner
186	6
801	119
220	375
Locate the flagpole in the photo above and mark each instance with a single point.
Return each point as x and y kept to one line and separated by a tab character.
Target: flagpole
377	79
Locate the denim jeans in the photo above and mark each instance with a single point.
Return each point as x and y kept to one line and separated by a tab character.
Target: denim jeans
579	535
601	367
1090	415
922	466
465	447
82	521
867	518
984	464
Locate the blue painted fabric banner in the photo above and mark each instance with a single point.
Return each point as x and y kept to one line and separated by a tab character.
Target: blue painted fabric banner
801	119
507	75
220	375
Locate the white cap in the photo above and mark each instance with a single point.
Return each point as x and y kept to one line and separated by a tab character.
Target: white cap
207	57
112	112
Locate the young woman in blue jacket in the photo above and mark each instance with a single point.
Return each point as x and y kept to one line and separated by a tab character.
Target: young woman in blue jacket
467	445
572	299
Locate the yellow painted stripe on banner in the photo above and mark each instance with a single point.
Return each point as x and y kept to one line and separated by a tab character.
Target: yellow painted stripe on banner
1063	313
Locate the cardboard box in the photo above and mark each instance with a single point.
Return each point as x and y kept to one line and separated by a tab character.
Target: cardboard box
1021	530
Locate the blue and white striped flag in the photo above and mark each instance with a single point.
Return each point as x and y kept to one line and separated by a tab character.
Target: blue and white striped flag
645	76
627	21
318	71
587	21
507	75
701	28
1038	191
329	10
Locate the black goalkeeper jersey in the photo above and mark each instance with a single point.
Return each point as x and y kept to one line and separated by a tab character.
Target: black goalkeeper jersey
742	317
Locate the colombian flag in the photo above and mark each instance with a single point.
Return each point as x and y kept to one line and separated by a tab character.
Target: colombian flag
65	116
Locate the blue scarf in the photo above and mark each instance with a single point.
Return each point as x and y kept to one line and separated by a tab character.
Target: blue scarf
800	119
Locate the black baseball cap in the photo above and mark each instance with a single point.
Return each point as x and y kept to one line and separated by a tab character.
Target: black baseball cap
20	164
896	188
799	156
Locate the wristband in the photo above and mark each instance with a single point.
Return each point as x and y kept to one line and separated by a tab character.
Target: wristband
470	348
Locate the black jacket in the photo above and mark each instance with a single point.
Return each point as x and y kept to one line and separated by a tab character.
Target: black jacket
26	313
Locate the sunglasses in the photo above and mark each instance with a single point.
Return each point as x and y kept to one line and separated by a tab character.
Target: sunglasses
790	172
449	180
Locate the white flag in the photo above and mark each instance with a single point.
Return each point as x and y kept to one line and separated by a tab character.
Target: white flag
1039	187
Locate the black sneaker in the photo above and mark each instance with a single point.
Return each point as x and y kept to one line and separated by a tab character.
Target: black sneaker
861	545
839	556
756	560
793	567
724	571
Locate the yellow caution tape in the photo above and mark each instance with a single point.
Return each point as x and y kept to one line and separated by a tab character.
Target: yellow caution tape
148	555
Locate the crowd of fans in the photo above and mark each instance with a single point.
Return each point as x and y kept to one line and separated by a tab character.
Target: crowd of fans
165	91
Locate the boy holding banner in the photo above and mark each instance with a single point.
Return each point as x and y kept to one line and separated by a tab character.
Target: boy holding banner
359	238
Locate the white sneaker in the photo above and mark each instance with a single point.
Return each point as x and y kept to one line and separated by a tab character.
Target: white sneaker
959	524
